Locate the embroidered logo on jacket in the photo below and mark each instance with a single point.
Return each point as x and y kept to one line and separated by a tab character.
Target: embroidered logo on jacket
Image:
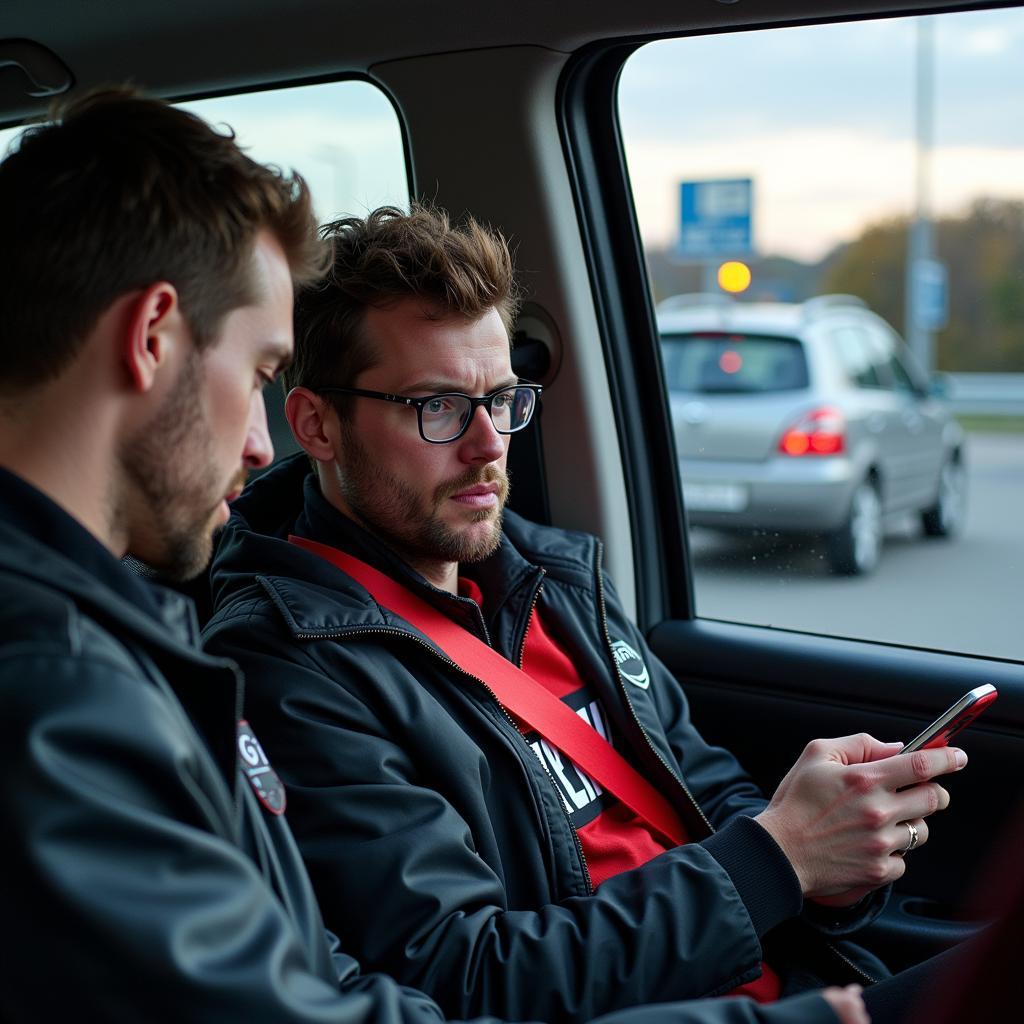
630	665
265	782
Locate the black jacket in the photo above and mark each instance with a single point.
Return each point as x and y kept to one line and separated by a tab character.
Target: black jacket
438	845
141	879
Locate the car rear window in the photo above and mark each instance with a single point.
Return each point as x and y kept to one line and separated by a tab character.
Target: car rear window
728	363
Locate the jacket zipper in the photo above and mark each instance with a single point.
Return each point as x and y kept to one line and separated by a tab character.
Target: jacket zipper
568	817
494	697
622	689
608	641
849	963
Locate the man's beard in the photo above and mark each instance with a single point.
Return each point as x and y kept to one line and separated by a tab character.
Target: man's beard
393	511
170	464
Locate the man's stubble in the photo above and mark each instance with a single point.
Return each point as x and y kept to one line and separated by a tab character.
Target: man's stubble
393	511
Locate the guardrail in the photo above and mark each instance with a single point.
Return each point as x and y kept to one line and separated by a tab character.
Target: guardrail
995	394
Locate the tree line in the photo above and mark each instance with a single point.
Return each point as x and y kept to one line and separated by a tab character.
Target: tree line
983	251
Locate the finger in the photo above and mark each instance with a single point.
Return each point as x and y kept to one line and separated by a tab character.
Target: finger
919	801
919	766
859	748
859	1011
847	1004
898	869
882	750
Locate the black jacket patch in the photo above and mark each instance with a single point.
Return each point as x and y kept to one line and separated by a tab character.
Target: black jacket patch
253	762
630	665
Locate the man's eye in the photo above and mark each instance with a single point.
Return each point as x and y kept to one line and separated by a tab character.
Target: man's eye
503	401
436	406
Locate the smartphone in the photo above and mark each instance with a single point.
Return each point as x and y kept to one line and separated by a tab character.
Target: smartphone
948	724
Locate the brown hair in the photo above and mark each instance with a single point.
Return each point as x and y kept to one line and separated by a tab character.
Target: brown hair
117	192
465	269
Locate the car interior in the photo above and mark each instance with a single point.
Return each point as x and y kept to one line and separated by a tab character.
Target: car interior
510	112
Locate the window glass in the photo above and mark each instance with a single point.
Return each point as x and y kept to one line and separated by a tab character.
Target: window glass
900	376
719	362
343	137
859	360
878	170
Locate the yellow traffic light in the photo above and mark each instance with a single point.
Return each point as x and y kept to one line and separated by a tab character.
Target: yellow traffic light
734	276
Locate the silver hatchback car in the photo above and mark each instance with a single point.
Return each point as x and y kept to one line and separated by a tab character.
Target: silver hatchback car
807	418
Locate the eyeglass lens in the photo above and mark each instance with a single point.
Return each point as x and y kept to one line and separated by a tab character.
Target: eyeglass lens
446	416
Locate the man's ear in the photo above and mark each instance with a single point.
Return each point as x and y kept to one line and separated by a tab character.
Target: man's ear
313	421
153	330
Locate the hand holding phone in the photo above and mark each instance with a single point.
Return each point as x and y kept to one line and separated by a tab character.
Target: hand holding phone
950	722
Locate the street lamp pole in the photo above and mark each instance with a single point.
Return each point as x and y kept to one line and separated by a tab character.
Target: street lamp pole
920	240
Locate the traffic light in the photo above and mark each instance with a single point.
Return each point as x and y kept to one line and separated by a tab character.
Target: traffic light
734	277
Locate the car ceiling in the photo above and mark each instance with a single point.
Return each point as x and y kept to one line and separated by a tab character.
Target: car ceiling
190	47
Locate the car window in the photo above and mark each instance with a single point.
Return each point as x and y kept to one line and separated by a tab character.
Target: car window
720	363
861	362
878	170
902	379
343	137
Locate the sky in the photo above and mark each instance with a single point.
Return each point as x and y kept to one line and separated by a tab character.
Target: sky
343	137
822	118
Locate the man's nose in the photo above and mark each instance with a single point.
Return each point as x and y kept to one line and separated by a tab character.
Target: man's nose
259	449
481	442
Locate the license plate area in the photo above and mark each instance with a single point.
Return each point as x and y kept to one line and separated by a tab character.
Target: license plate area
714	497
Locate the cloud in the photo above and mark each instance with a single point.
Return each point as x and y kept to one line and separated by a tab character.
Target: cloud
822	117
858	74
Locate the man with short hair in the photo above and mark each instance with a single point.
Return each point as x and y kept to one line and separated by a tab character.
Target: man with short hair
362	599
146	274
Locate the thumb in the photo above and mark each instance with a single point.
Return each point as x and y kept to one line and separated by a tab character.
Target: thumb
883	750
861	748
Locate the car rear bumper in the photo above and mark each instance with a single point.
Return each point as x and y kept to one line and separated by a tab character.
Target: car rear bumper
794	494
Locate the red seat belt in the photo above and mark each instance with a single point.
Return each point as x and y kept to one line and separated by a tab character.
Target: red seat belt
516	691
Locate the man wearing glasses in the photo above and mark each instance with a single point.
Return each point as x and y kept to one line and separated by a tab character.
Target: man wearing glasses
494	784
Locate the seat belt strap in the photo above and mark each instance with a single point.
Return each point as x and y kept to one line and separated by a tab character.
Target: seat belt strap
516	691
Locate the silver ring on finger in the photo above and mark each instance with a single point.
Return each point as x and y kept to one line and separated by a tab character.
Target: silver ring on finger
912	841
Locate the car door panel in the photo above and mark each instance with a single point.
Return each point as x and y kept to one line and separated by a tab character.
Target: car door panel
792	687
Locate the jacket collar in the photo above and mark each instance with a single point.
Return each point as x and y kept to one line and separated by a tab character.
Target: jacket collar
316	599
42	542
56	553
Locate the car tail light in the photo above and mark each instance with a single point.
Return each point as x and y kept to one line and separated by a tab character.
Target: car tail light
821	431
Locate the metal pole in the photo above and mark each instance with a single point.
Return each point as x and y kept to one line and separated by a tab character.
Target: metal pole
920	241
709	281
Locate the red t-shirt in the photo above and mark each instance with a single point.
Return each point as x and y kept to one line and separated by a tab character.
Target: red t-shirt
613	838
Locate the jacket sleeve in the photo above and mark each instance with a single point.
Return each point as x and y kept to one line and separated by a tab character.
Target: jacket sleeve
726	794
808	1008
123	901
413	890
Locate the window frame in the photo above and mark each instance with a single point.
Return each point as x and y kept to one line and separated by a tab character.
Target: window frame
587	111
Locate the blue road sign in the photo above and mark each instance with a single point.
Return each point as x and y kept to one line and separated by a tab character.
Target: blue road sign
931	295
716	218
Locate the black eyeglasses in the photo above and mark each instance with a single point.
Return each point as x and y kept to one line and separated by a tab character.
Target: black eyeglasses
444	418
